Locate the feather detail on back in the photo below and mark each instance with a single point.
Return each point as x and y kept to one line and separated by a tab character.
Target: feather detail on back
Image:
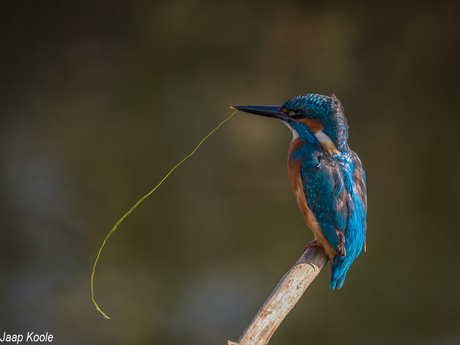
330	191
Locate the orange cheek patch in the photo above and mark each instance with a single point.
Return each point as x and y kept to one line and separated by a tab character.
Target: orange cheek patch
313	125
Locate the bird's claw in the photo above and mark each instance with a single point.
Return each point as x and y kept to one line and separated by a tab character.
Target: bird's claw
313	243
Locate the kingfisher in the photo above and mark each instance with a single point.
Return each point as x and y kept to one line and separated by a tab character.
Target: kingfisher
327	178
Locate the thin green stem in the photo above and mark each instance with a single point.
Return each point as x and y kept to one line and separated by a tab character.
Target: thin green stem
137	204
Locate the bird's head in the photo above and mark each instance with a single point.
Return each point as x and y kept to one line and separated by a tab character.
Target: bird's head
307	115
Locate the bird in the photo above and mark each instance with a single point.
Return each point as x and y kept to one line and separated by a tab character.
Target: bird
327	177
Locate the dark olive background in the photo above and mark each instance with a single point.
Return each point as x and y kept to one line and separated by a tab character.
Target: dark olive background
98	100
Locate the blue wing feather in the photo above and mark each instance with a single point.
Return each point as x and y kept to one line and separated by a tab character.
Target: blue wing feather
335	188
359	178
326	196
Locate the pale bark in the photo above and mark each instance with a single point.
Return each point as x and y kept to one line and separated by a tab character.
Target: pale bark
286	294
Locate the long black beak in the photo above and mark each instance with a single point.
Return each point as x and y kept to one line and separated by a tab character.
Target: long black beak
263	110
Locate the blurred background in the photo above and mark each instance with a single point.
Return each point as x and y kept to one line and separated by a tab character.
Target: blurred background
99	100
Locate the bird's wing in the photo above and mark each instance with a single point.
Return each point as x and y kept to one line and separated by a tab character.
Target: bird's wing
359	177
327	197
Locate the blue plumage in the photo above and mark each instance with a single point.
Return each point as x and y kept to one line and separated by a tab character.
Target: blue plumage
328	179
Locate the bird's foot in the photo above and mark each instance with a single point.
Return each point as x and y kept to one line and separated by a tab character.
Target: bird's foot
313	243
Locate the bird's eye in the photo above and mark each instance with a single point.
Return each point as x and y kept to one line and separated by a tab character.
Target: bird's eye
293	114
297	114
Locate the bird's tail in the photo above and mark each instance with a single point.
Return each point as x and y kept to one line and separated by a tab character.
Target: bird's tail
339	270
341	264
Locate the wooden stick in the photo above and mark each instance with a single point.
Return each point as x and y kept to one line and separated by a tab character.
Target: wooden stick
286	294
